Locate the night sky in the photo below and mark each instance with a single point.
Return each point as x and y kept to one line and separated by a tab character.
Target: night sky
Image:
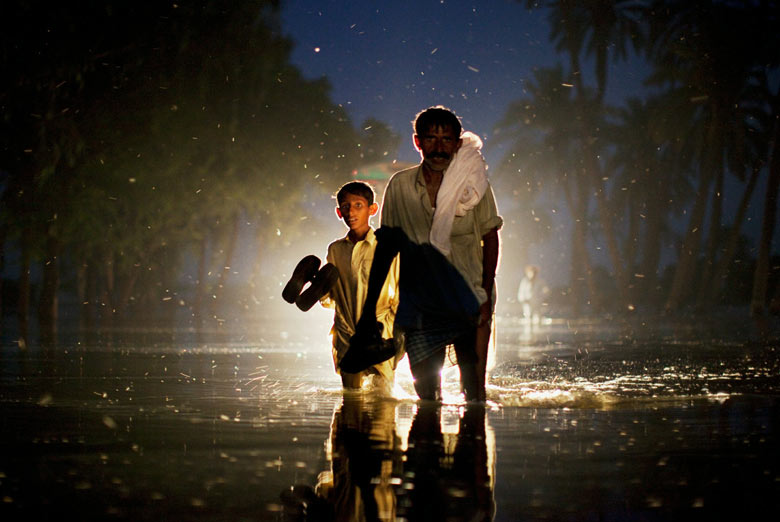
388	60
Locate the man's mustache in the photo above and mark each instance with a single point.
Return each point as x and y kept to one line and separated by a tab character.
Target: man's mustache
442	155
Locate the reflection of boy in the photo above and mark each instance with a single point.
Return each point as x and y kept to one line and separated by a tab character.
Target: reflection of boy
364	451
352	256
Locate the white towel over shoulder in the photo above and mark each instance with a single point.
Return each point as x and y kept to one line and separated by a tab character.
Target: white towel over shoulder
464	184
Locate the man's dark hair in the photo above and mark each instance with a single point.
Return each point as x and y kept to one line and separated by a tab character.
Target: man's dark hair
438	116
356	188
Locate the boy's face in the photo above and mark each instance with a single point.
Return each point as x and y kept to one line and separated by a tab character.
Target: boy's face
355	211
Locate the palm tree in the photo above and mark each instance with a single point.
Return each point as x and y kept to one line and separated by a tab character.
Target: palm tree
761	277
648	184
596	29
702	50
747	160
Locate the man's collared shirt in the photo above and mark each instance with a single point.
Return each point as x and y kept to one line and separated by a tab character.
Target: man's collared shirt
406	205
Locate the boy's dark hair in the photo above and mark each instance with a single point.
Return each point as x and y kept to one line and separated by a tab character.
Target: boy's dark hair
438	116
356	188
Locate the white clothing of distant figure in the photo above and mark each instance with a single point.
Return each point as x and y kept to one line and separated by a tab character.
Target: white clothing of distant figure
531	294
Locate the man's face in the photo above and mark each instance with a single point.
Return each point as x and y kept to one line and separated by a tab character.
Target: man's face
437	146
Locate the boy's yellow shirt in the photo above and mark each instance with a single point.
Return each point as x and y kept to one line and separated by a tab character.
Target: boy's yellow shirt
353	261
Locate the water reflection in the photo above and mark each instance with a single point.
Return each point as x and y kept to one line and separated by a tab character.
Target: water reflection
365	459
449	476
587	429
393	460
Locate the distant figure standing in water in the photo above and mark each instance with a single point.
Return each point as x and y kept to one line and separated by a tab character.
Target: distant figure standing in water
441	217
531	294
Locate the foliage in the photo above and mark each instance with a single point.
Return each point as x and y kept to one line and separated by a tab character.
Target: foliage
135	134
662	160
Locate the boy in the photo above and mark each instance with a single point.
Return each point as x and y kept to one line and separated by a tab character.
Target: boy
352	256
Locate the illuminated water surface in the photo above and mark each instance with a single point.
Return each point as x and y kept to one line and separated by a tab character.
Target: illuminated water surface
584	422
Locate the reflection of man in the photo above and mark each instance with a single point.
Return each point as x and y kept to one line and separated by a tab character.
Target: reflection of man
441	216
450	475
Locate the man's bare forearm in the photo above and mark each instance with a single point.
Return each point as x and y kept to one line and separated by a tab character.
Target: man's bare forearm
489	260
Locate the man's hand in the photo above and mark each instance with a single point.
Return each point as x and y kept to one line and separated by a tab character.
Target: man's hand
366	330
366	347
489	265
485	312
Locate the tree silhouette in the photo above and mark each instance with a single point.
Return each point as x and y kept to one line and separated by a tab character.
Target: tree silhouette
649	188
140	137
596	29
706	52
707	119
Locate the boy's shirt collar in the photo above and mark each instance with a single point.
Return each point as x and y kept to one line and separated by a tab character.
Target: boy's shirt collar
370	237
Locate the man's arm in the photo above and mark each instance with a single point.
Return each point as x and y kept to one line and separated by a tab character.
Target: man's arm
489	265
380	266
386	250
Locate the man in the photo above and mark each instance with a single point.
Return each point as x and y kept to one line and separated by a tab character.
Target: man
444	223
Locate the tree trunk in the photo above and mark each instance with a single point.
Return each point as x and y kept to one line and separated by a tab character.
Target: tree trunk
107	293
581	273
86	315
684	275
3	231
710	290
124	295
630	250
711	165
594	173
714	235
651	246
23	304
607	220
689	250
48	302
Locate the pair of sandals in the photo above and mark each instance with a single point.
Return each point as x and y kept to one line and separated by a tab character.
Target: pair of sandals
308	271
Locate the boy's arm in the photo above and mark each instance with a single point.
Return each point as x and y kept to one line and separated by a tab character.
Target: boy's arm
327	300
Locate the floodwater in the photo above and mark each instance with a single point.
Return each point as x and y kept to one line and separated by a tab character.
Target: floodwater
584	422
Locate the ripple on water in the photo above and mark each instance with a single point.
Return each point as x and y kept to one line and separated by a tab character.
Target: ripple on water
597	375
